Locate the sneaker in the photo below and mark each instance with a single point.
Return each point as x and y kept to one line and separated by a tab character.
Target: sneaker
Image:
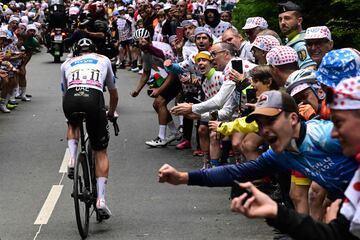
141	71
198	152
181	128
11	106
183	145
4	109
173	137
206	166
103	209
135	69
157	142
25	99
13	102
28	95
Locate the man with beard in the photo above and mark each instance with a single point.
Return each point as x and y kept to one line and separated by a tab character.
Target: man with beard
290	23
214	22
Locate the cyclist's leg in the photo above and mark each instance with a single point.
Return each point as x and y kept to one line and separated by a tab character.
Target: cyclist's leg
97	128
73	131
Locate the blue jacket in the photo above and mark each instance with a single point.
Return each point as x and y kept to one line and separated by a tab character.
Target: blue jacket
319	158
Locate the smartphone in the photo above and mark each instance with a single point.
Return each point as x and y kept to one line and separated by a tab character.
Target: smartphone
179	33
251	95
214	116
237	191
237	65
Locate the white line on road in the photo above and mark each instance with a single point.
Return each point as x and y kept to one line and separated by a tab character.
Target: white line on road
63	167
49	205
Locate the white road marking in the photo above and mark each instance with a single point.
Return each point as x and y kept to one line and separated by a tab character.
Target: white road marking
49	205
63	167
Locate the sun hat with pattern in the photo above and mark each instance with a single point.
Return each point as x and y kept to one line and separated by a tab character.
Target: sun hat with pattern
281	55
318	32
337	65
265	42
253	22
347	94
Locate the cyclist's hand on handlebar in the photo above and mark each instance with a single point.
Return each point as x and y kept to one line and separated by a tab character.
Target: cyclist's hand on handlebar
112	116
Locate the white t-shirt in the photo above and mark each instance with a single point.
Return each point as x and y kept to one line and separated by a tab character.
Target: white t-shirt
89	70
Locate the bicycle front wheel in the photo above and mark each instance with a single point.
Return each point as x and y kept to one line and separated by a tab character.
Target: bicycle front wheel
82	195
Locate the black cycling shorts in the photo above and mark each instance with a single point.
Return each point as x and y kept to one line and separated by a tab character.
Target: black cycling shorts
172	91
91	102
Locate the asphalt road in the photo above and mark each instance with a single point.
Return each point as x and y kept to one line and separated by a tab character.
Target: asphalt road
32	148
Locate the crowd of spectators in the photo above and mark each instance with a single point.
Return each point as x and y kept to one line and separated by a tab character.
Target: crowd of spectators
264	100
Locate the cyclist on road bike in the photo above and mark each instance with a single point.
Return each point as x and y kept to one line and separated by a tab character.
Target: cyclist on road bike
82	80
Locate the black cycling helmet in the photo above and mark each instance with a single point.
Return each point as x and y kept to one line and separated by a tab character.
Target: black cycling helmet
84	45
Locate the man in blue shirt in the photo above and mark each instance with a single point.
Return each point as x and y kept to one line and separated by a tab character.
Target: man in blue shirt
303	146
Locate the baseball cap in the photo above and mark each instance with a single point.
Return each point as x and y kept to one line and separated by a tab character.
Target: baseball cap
253	22
14	18
271	103
265	42
337	65
172	38
189	22
200	30
318	32
281	55
288	6
346	95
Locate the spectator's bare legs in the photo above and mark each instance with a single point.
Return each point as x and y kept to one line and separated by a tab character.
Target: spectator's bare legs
204	142
249	146
299	196
215	150
236	140
317	196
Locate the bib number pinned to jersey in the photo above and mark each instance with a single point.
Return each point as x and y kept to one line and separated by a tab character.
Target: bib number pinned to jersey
85	77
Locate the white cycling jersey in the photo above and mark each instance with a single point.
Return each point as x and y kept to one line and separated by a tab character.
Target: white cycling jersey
89	70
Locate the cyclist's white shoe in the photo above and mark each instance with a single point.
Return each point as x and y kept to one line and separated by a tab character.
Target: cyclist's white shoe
70	169
103	209
157	142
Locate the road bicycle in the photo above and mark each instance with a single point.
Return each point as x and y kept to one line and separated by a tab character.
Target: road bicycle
84	180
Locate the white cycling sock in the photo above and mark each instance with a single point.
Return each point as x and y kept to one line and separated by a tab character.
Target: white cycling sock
72	144
162	132
172	127
101	187
181	120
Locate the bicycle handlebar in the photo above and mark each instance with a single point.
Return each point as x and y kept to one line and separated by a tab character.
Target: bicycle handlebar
116	127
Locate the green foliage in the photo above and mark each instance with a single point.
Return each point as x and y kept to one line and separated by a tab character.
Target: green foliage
341	16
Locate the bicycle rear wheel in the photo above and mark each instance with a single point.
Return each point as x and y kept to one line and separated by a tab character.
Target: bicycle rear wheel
82	195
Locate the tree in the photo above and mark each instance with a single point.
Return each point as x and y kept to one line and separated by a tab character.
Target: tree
341	16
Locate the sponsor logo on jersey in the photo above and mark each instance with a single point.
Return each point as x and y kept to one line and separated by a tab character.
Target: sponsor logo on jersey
84	61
